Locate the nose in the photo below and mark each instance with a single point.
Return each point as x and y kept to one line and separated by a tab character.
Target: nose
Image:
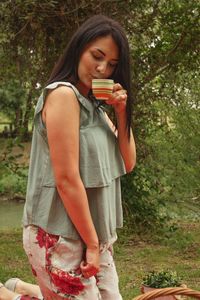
101	68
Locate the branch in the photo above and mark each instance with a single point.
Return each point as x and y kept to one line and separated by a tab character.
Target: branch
152	75
22	29
178	43
151	16
166	64
58	13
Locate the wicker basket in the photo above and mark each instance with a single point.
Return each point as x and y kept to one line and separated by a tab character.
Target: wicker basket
175	291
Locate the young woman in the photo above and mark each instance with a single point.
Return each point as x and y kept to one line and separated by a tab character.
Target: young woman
73	204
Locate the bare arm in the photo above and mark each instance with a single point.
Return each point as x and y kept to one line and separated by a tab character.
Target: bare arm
61	115
127	146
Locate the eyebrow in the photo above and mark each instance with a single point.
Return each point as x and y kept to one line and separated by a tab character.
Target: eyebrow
105	54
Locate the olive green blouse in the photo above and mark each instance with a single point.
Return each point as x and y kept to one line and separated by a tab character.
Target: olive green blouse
101	166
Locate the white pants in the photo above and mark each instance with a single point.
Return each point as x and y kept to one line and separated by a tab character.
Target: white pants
56	262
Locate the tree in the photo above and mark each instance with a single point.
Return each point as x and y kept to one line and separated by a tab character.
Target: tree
164	44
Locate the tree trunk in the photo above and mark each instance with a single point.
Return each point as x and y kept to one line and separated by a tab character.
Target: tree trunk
27	114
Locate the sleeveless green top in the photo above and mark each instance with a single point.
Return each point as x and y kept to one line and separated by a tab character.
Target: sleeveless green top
101	166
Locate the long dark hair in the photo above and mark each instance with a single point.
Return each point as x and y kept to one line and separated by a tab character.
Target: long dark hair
97	26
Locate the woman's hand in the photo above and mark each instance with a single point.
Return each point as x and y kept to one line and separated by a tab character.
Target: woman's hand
126	143
90	267
118	98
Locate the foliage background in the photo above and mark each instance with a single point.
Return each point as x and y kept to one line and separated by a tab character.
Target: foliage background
164	41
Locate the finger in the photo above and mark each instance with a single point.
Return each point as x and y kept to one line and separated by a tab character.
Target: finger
117	99
89	272
119	93
122	98
117	87
122	92
86	275
88	267
83	264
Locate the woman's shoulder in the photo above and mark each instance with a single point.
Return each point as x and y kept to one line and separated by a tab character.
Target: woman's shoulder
65	90
60	87
61	90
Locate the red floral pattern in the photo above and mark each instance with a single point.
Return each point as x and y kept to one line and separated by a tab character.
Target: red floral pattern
45	239
66	283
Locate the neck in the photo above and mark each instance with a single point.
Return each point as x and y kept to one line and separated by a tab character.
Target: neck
84	90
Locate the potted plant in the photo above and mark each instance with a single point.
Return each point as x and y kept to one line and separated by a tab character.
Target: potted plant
161	279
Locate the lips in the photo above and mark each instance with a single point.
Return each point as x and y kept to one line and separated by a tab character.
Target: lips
96	77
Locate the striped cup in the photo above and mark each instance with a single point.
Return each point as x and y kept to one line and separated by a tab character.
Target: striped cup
102	88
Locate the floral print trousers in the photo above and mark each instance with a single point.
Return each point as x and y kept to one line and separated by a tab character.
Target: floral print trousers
55	262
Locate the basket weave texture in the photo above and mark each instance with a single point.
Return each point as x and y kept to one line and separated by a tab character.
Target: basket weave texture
168	291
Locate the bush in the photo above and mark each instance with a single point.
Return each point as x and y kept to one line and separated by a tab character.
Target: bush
140	199
13	174
161	279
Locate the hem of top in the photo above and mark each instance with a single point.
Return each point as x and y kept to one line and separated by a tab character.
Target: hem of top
95	185
68	236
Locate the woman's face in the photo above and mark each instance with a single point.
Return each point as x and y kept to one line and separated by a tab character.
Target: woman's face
98	60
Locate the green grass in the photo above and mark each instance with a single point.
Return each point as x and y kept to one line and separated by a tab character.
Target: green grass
134	256
177	251
13	261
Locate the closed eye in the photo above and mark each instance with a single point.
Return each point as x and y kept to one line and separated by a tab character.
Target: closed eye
97	56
